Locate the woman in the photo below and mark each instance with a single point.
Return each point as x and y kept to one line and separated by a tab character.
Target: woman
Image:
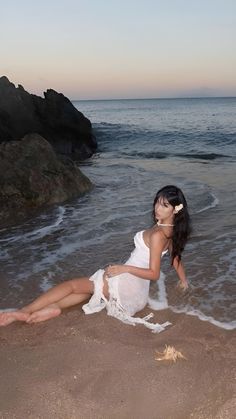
122	289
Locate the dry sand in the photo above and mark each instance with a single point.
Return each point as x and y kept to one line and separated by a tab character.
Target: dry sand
78	366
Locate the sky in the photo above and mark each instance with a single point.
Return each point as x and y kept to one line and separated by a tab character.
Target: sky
115	49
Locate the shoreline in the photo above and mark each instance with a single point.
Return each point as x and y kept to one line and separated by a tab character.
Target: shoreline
95	366
231	325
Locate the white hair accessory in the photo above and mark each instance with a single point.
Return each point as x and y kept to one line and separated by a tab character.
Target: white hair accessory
178	208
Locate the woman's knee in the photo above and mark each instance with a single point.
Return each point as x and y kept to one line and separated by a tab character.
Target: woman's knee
81	286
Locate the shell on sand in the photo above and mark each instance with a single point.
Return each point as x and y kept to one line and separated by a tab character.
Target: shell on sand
169	354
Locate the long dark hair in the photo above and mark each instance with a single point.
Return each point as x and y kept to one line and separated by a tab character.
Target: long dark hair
182	224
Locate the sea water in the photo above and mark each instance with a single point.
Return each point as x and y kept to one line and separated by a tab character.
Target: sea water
142	146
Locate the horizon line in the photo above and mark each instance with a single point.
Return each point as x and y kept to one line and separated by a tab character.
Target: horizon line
156	98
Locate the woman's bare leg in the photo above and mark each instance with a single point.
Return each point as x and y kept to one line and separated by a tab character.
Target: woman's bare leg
69	293
51	303
59	292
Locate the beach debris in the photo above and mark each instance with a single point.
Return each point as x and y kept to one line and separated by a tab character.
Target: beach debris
169	354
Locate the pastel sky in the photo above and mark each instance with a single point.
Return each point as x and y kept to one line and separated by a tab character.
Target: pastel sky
101	49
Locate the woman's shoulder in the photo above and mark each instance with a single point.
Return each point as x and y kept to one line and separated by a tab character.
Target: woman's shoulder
154	236
157	234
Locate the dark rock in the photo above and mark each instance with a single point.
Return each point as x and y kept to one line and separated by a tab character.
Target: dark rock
32	175
53	117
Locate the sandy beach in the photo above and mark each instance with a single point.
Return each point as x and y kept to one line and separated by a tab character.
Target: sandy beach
78	366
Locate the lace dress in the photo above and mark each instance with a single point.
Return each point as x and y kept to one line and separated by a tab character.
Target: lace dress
128	293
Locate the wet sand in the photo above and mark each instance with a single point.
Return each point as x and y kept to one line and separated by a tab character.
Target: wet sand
78	366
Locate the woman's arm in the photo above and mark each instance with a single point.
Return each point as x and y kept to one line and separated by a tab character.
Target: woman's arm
179	267
157	243
144	273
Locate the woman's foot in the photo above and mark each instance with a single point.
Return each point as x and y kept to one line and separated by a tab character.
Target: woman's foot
44	314
8	317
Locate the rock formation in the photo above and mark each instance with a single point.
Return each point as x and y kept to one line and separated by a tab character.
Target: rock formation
53	117
32	175
39	137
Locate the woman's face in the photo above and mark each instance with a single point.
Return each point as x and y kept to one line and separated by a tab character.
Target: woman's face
164	210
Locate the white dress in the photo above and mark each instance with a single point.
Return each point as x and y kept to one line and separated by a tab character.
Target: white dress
127	293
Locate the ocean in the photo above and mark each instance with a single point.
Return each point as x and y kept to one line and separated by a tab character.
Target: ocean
142	146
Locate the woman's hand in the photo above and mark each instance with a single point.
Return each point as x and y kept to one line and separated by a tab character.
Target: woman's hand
183	285
114	270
